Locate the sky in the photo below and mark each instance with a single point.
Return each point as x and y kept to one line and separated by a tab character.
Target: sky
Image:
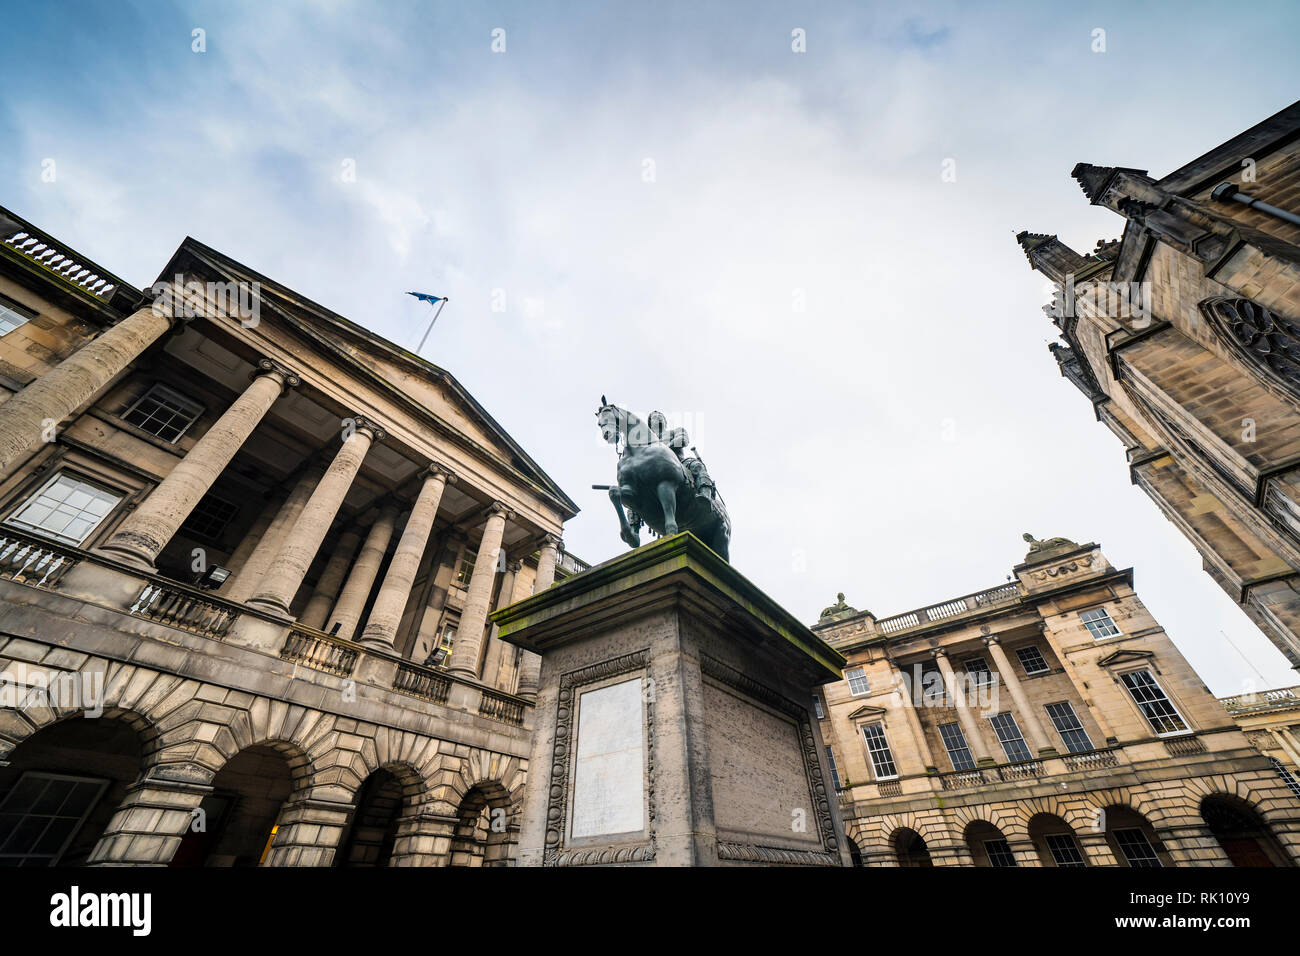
669	204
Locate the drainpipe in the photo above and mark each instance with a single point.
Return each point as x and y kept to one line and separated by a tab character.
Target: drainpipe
1228	191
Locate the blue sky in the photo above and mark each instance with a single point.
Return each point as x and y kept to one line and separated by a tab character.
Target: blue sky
856	346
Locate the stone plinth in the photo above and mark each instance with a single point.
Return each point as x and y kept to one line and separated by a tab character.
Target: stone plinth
674	723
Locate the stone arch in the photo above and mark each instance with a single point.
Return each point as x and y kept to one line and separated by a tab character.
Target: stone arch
987	844
67	773
1243	831
1132	837
1055	840
910	848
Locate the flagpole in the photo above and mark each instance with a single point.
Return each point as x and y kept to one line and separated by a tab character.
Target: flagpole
436	313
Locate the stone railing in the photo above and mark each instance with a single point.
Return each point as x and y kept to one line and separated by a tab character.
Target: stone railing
962	779
1024	770
41	250
320	651
949	609
1183	746
185	607
1091	760
423	682
1278	699
502	707
33	561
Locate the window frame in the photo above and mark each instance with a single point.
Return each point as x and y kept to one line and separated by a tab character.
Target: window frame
1187	727
1078	727
180	398
1020	735
834	768
1005	848
1032	648
965	746
20	503
1110	621
850	678
1073	847
818	709
884	749
8	305
1155	861
54	859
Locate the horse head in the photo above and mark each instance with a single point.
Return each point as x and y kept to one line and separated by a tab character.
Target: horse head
612	421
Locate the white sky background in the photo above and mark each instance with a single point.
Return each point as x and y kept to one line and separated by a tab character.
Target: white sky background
892	440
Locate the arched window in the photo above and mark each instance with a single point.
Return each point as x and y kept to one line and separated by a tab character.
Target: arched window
1263	338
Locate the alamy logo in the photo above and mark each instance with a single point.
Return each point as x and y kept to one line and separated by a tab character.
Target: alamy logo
22	687
74	909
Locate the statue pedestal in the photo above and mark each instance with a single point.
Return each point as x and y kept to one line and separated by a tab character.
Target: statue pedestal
674	722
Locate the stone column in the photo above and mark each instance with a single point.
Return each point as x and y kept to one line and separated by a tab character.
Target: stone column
146	531
250	576
331	579
248	543
424	839
352	599
907	704
496	672
1024	851
300	547
1095	848
1037	735
386	613
310	828
1108	734
473	619
530	664
1192	844
25	415
974	739
148	825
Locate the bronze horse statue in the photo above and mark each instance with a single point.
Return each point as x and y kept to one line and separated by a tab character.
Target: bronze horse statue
658	484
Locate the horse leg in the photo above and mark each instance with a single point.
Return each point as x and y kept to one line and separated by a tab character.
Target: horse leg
667	492
630	537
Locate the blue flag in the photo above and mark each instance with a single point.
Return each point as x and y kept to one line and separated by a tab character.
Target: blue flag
425	297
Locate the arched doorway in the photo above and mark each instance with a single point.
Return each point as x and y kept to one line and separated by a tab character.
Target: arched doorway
62	786
987	845
373	830
910	848
1133	840
239	817
1245	838
1055	841
483	828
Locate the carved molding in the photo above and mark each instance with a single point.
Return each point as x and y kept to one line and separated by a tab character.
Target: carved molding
557	809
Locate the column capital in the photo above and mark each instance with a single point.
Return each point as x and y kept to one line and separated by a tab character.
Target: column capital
554	540
362	423
514	567
939	652
500	508
990	640
288	378
436	468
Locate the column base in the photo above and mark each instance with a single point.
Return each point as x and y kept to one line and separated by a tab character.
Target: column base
270	605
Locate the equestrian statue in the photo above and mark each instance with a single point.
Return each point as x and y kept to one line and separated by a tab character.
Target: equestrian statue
658	484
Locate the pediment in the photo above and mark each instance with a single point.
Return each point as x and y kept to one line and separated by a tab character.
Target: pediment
1124	657
868	710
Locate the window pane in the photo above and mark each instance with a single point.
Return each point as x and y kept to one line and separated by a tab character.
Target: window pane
856	676
1099	623
1136	848
882	760
999	853
1065	852
1156	707
41	813
955	743
66	508
1032	660
1008	731
1067	725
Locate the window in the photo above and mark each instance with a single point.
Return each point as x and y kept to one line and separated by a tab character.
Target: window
1136	848
1155	706
1065	852
882	760
1287	776
41	815
1098	623
978	668
999	853
12	316
163	412
1068	726
66	508
835	772
1031	659
817	708
466	568
857	678
1013	744
955	742
210	517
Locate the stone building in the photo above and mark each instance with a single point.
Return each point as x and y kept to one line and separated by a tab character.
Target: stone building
1184	335
1271	721
1048	721
247	555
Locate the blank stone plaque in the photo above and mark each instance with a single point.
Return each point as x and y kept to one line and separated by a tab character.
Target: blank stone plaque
609	785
